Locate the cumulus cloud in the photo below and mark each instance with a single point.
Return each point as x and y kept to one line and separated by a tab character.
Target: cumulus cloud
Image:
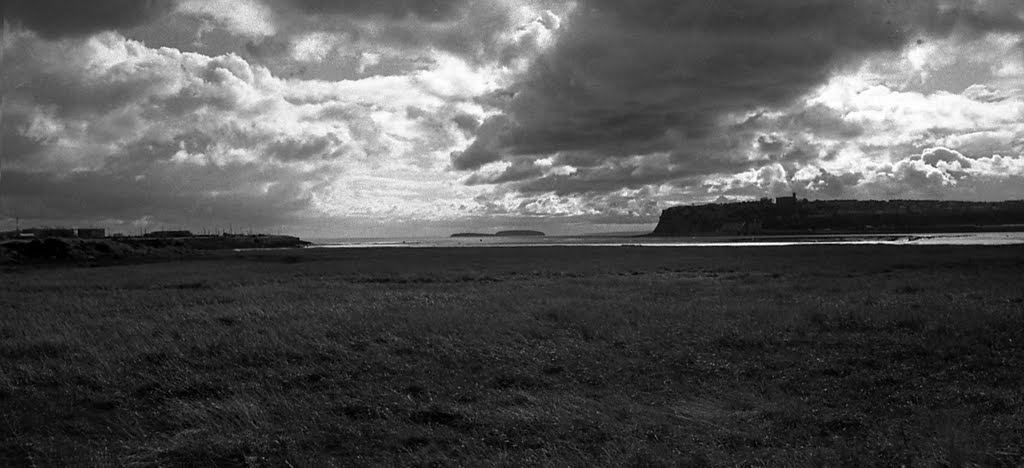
121	131
947	174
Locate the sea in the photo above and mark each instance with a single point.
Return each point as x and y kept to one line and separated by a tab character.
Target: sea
967	238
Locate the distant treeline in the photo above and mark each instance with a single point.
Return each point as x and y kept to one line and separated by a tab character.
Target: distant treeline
789	216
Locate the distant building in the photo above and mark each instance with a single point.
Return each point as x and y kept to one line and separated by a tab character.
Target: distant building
786	202
92	233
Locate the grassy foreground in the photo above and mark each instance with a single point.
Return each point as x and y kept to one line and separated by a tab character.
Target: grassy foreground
794	356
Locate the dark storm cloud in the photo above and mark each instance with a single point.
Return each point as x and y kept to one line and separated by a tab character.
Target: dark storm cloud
466	122
625	74
978	16
647	76
62	18
478	31
17	147
485	149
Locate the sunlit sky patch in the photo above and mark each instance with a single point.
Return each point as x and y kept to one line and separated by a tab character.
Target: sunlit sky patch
397	118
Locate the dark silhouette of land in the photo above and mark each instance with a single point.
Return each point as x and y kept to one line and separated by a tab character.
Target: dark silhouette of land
64	245
515	233
789	215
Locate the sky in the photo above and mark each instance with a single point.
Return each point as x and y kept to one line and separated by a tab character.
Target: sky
406	118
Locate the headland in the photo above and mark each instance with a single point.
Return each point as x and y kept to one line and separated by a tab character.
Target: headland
790	215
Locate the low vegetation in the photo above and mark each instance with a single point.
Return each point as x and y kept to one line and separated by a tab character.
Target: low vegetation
105	250
798	356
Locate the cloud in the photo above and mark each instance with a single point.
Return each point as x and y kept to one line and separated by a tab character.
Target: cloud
935	173
483	32
519	170
58	18
246	18
24	132
466	122
624	75
829	185
292	148
941	173
889	118
429	10
705	82
485	148
983	93
112	131
168	194
367	113
315	47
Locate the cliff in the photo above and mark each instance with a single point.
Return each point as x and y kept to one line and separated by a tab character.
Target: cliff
791	216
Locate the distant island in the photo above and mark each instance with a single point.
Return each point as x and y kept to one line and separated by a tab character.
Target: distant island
789	215
519	233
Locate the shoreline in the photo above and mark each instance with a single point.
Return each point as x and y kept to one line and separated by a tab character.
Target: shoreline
952	238
94	253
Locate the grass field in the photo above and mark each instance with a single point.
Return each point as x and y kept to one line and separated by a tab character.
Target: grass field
794	356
